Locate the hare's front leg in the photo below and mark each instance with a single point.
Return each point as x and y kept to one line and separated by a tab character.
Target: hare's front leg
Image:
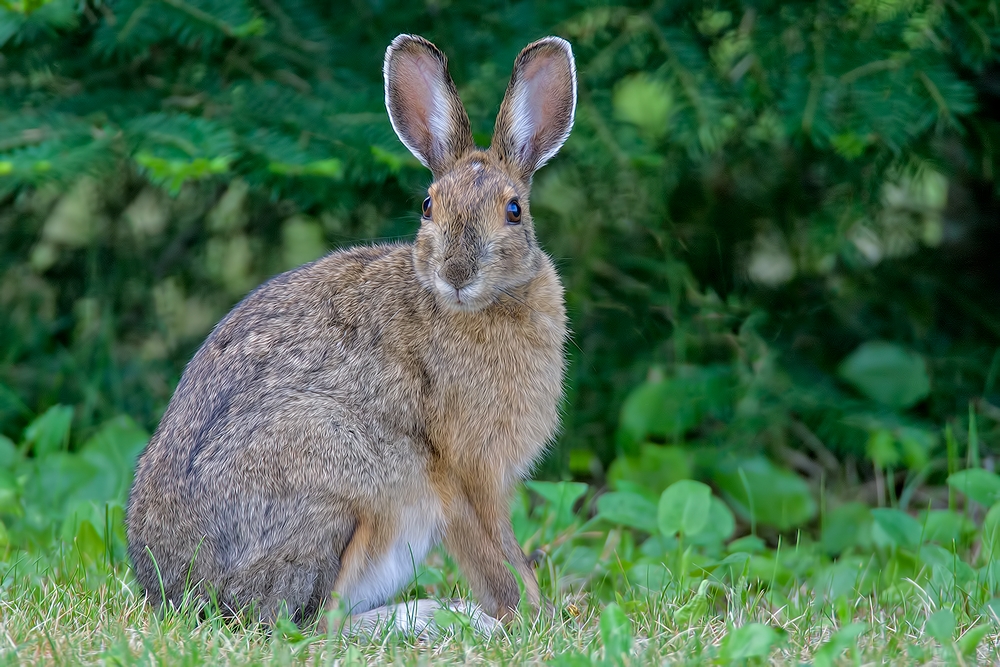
480	536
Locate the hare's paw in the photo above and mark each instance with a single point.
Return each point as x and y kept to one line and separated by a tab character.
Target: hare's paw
420	618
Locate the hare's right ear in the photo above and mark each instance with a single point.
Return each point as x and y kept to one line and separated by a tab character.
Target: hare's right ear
423	103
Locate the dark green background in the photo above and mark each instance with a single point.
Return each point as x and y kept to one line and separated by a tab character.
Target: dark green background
753	191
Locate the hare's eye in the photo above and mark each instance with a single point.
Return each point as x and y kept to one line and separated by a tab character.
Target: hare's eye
426	208
513	212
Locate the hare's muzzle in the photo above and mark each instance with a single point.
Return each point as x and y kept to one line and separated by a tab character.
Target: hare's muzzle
458	272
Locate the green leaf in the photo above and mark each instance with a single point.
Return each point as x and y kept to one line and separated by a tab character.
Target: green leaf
695	608
941	625
882	449
843	639
644	101
887	374
628	509
977	484
559	500
750	544
655	468
89	542
50	431
778	497
901	528
616	633
720	526
669	408
991	534
846	526
684	508
559	495
4	536
944	526
8	453
969	642
652	576
754	640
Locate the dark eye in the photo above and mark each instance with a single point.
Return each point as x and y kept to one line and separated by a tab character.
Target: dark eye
426	208
513	212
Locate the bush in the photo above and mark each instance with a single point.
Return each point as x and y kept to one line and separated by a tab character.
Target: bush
776	219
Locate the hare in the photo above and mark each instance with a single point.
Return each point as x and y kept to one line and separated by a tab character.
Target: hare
348	415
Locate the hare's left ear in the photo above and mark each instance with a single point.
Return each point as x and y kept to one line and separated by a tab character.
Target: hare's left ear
423	104
537	111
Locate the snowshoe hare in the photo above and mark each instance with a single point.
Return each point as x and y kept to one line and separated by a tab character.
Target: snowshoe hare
349	414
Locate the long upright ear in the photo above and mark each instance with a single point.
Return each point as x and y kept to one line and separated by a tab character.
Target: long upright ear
423	103
537	111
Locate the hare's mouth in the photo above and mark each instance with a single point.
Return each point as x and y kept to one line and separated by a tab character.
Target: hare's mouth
468	298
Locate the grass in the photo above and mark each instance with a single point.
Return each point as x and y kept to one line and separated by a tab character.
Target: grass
635	575
67	609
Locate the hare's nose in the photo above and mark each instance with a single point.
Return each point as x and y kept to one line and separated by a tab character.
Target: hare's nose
458	272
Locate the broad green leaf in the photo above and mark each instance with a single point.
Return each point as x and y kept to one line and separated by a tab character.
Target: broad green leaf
4	536
112	451
843	639
684	508
669	408
977	484
653	576
560	499
50	431
778	497
655	468
969	642
992	609
846	526
644	101
720	526
695	608
559	495
887	373
754	640
8	453
941	625
882	449
616	633
628	509
991	534
750	544
944	527
841	580
901	528
89	542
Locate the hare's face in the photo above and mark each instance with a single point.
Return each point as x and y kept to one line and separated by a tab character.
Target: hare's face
476	240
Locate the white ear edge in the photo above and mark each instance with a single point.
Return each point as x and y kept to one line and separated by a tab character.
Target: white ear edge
523	125
439	118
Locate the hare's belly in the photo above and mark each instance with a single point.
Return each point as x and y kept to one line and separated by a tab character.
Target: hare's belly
419	529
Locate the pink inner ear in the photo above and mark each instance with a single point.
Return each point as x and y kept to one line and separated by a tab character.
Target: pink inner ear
538	108
422	97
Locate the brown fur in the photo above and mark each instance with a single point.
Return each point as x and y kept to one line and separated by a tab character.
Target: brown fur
381	398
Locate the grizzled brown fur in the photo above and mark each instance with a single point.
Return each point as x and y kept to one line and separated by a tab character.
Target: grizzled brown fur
349	414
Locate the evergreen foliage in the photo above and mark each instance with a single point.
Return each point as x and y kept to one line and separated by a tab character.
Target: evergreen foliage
752	192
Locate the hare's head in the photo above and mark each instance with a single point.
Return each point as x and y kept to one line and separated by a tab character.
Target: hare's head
476	238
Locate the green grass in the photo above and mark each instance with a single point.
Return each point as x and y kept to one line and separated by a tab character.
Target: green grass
68	609
650	572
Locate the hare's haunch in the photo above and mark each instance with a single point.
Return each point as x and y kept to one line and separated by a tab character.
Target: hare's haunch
348	415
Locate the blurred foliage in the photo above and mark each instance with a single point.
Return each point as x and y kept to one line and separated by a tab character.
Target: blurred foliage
776	222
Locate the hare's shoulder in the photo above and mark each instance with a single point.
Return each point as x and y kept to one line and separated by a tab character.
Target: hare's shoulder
335	289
